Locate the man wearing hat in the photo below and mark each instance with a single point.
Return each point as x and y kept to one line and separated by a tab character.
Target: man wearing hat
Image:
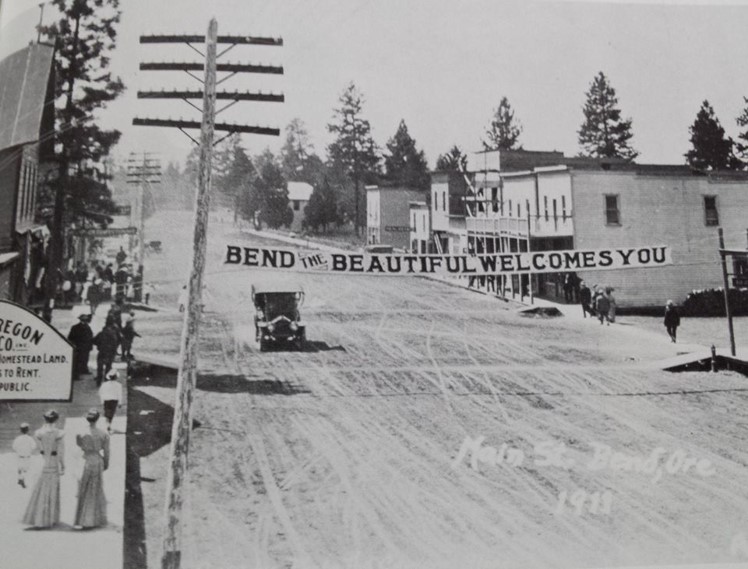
81	336
110	394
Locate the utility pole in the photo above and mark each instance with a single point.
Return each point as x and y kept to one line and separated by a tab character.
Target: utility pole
187	375
144	172
723	256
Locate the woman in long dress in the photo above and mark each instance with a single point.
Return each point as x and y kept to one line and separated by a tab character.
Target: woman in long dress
91	509
43	510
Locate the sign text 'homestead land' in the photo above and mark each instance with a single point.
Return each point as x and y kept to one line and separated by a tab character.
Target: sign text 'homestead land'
397	264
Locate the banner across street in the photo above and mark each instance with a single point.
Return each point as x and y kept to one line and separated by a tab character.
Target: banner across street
402	264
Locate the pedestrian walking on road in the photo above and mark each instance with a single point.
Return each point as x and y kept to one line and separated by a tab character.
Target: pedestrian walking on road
107	341
95	293
110	394
24	446
43	510
612	302
568	288
602	307
672	320
121	256
91	509
585	299
81	336
128	335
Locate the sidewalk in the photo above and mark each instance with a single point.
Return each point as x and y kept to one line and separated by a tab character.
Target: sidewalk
62	547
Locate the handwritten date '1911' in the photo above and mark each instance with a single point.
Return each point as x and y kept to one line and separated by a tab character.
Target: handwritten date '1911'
583	502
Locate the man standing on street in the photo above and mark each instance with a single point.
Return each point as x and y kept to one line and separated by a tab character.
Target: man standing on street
81	336
107	342
585	298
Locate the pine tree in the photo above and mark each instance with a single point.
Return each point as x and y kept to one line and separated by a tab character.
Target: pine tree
84	35
353	151
272	192
405	165
454	160
604	134
296	153
742	147
711	149
240	177
322	209
504	132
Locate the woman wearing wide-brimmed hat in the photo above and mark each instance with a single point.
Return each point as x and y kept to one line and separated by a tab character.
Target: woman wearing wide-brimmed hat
91	509
43	510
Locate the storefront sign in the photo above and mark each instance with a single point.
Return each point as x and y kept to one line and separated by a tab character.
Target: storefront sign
396	264
36	361
123	210
111	232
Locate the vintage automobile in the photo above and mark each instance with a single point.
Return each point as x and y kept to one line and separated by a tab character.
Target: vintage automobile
277	318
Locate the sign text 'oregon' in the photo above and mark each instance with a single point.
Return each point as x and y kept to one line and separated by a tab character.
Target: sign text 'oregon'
36	361
403	264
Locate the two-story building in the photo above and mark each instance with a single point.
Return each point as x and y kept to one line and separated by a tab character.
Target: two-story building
388	215
26	142
580	203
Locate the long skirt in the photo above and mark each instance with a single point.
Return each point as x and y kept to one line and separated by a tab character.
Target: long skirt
43	510
91	509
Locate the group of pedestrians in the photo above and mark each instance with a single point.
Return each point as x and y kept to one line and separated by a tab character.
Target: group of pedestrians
43	508
115	335
598	302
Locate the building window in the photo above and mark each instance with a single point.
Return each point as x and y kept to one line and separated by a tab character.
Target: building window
612	213
555	210
423	223
711	215
563	207
519	210
545	206
436	201
510	208
444	201
413	226
527	207
296	205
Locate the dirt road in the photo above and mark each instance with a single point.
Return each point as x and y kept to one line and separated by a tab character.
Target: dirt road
427	426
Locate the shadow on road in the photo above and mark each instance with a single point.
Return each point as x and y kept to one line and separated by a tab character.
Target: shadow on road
156	376
310	346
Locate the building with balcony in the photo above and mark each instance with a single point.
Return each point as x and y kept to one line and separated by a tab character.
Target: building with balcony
388	219
580	203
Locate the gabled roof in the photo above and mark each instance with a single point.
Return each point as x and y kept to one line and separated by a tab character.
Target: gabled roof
24	89
299	191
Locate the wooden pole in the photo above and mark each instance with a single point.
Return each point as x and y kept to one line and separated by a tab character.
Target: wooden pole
529	249
726	285
180	434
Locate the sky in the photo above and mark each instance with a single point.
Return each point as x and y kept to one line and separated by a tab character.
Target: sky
441	65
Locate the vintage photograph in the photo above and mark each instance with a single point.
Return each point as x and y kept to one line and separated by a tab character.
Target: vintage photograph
358	284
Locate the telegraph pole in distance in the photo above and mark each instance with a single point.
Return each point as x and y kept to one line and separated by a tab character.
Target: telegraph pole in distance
187	375
143	173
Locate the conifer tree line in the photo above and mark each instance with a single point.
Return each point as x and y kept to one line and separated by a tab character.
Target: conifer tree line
84	33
